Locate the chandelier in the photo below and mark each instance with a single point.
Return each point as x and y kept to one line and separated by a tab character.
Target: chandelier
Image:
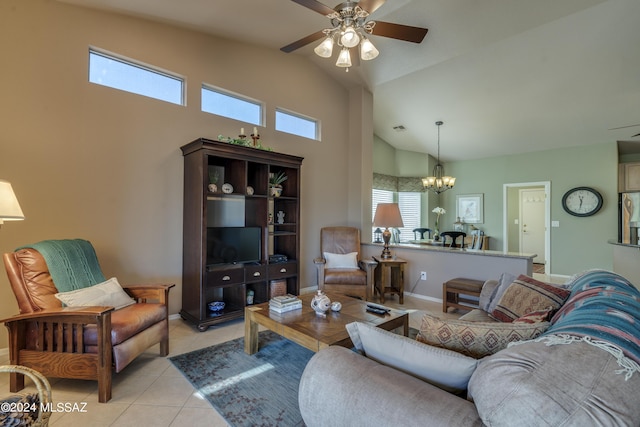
349	30
439	182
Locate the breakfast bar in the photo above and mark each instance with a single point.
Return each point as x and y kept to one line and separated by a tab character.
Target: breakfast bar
442	264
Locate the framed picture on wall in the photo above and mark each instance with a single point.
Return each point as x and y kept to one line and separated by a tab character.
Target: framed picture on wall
470	208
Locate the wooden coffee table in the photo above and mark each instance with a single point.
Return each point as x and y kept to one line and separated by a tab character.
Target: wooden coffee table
315	332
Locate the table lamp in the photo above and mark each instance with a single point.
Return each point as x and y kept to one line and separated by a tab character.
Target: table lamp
387	215
9	206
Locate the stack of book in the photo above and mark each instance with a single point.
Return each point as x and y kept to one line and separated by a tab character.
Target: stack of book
284	303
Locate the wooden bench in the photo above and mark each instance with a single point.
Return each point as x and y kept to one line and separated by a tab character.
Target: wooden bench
452	289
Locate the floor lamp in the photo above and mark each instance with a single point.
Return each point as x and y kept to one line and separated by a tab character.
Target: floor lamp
387	215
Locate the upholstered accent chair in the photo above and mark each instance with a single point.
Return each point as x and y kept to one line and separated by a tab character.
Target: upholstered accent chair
340	266
77	341
452	238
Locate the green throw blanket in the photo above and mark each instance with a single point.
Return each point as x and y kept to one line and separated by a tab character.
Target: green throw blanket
73	264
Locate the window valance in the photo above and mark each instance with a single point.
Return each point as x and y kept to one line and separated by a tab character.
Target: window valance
397	183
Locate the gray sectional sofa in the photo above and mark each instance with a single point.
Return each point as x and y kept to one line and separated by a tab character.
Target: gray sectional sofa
582	371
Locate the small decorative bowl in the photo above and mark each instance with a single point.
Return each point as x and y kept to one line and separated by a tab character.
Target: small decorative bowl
216	305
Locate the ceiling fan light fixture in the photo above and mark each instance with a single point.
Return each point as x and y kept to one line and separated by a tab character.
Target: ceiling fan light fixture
344	59
325	49
367	50
349	37
349	28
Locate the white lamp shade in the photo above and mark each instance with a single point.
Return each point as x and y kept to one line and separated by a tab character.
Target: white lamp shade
367	50
344	59
9	206
325	49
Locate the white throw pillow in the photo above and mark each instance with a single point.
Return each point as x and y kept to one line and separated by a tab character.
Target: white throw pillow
443	368
349	260
108	293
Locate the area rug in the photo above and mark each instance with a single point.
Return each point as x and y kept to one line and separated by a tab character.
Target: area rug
256	390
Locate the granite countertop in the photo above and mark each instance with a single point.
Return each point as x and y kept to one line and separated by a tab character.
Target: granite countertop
439	248
629	245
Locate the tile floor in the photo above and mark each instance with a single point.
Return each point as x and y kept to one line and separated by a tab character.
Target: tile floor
152	390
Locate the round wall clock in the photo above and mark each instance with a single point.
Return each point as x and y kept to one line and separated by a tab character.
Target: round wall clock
582	201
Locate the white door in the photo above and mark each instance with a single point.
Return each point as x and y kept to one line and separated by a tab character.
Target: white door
532	228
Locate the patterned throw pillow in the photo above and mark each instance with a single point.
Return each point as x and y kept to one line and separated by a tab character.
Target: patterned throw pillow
503	283
526	295
536	316
475	339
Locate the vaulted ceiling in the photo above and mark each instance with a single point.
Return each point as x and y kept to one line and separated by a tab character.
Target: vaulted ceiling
505	76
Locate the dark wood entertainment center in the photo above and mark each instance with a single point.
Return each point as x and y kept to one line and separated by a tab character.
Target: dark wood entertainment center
206	278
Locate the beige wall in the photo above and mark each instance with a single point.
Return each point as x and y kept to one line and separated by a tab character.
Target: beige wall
92	162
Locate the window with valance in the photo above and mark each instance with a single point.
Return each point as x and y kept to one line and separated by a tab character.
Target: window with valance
407	192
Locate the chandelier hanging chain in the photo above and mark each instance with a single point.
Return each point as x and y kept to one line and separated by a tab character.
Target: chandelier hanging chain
438	124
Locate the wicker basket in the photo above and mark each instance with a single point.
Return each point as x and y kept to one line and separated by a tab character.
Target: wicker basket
277	288
35	417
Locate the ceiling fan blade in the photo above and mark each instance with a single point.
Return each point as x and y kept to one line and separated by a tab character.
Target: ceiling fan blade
303	42
400	32
316	6
624	127
371	5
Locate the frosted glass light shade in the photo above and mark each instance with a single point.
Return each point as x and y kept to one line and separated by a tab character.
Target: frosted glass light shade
325	49
367	50
9	206
344	59
438	183
350	38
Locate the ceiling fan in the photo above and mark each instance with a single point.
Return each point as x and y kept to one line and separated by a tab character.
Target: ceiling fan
349	28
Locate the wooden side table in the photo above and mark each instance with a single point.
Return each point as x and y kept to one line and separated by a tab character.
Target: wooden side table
389	277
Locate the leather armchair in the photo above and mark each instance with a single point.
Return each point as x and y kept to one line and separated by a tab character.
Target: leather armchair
78	342
354	282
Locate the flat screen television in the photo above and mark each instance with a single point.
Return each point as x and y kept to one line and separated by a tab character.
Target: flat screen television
233	245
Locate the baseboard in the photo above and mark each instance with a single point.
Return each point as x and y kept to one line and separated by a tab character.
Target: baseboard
311	289
424	297
174	316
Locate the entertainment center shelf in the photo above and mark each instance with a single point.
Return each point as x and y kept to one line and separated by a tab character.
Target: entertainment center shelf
235	230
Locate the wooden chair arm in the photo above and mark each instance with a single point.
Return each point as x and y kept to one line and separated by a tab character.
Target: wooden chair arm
64	314
155	291
52	341
367	265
